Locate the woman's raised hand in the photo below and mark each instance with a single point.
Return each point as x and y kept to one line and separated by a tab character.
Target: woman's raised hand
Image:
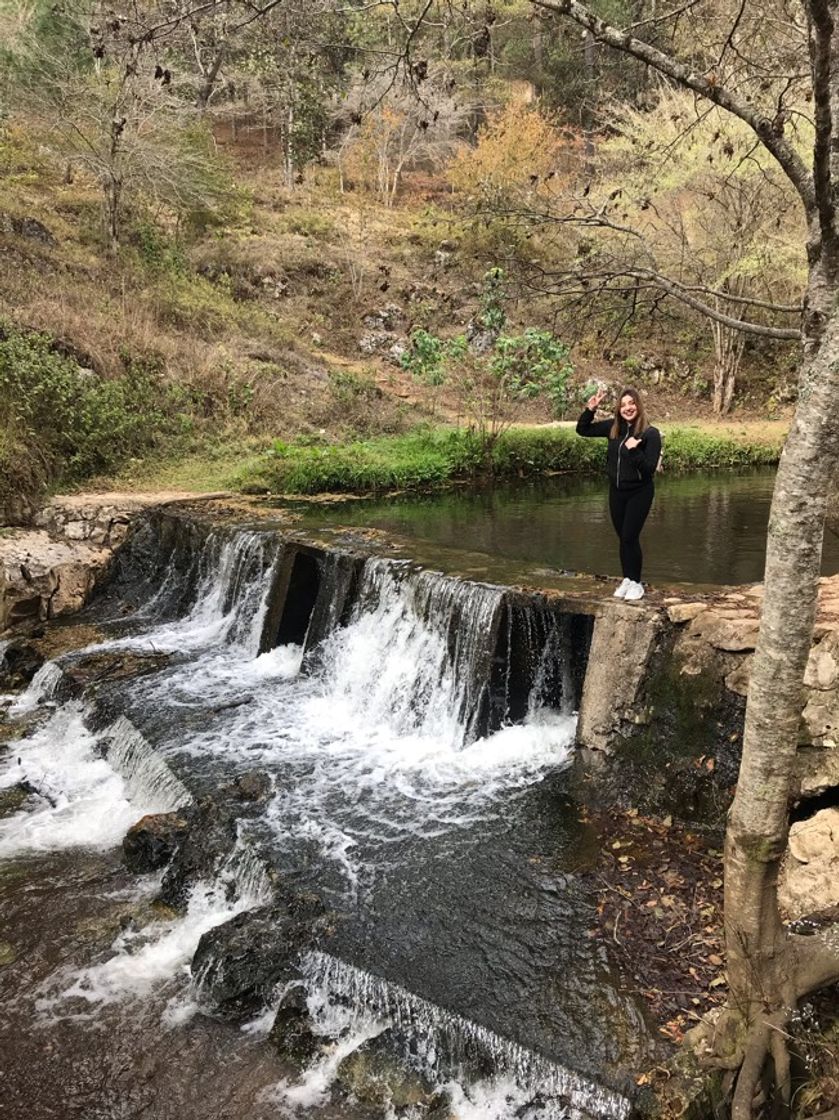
594	401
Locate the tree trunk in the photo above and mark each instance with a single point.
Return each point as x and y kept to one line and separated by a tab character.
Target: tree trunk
113	195
768	969
728	353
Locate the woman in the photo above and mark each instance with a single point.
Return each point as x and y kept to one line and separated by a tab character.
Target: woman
634	452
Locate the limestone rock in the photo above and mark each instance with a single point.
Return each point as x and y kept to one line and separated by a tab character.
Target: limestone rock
685	612
816	838
41	577
809	881
738	679
823	665
731	634
820	719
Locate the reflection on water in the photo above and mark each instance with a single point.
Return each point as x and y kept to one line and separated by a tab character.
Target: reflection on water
703	528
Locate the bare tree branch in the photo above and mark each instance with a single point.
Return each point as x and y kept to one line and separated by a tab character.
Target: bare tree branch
707	86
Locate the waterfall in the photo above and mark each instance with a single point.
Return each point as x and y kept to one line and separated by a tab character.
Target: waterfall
416	653
144	959
42	687
148	780
447	1047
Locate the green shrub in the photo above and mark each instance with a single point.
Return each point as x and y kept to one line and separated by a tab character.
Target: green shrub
426	458
60	421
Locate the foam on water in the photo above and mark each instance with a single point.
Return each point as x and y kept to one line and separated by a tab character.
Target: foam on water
350	1006
80	799
142	960
42	687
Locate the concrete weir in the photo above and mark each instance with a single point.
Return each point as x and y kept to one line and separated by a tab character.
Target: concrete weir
659	685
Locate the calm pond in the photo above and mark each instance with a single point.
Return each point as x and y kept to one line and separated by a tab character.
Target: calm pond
703	528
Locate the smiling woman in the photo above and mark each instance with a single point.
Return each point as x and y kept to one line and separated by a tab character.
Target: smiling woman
634	453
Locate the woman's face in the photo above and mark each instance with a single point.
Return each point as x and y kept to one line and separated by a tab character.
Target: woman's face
629	409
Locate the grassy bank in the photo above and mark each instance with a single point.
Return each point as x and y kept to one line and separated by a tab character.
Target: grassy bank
426	458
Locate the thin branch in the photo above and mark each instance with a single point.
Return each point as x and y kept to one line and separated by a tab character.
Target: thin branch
708	87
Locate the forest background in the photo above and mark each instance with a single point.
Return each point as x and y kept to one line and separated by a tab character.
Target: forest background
249	234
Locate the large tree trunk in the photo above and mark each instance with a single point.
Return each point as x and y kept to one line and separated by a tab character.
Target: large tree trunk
769	969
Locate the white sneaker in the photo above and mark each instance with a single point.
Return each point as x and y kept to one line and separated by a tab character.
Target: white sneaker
634	592
622	588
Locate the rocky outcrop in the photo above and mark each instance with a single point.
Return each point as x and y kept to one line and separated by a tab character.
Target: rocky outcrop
809	881
239	964
53	568
42	577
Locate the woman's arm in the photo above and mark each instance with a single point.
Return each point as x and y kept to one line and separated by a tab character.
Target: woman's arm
645	455
588	426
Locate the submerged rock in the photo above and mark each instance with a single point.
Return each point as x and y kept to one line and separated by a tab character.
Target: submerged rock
112	666
374	1075
14	798
151	842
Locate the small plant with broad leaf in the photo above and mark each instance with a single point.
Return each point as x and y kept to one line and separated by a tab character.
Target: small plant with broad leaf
491	373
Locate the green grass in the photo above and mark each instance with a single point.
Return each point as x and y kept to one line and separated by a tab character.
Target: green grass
427	458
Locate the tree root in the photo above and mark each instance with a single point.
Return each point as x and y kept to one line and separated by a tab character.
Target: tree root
757	1048
783	1079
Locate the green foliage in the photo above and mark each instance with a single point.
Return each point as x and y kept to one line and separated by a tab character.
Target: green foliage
62	421
490	381
431	457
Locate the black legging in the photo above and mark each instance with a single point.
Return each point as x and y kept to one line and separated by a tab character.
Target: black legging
629	509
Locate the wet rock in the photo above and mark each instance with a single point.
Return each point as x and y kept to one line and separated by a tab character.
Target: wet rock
13	798
256	785
239	964
292	1034
210	838
373	1075
151	842
112	666
19	664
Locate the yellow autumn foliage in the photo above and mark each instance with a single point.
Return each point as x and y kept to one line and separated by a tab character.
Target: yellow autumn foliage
518	151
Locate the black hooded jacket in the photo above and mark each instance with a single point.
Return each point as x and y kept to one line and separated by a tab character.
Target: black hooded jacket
627	469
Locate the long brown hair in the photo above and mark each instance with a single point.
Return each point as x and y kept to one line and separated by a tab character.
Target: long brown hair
639	424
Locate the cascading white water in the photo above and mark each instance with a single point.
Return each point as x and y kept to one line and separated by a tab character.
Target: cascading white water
80	800
421	634
351	1006
42	687
372	749
142	960
147	777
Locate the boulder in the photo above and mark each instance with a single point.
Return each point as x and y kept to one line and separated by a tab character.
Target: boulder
210	837
292	1034
151	842
679	613
374	1075
256	785
239	964
809	880
19	664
